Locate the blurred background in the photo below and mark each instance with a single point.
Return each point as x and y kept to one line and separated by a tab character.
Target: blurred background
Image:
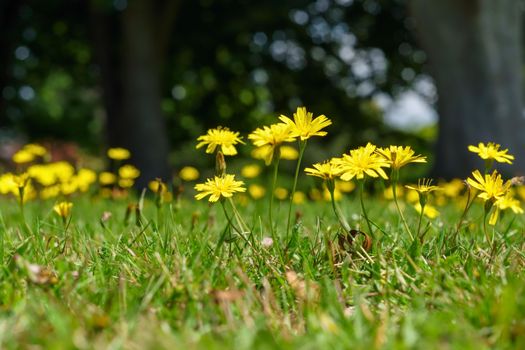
83	75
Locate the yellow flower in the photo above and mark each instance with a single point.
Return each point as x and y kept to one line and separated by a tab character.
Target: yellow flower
157	186
63	209
429	211
299	197
398	156
491	186
281	193
360	162
42	173
289	153
220	186
106	178
303	126
270	138
256	191
23	156
35	149
424	186
128	172
220	137
118	153
85	177
452	188
491	151
250	171
21	180
509	202
326	171
388	194
345	186
189	173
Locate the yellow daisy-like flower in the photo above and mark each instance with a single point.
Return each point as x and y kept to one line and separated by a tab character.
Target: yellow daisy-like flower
35	149
270	138
128	172
429	211
326	171
63	209
491	186
304	126
219	186
398	156
250	171
360	162
256	191
220	137
424	186
118	153
106	178
491	151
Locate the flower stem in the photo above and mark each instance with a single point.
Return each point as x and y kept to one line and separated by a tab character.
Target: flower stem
271	197
337	212
419	221
363	209
394	194
302	146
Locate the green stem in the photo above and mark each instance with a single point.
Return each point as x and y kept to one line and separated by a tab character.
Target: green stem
394	194
272	188
337	212
420	220
302	146
363	209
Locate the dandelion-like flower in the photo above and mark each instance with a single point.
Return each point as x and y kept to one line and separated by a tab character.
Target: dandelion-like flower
398	156
360	162
219	186
491	186
491	151
220	137
63	209
304	125
268	139
189	173
424	186
128	172
326	171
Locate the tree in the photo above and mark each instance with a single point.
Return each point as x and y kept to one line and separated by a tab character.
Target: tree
475	54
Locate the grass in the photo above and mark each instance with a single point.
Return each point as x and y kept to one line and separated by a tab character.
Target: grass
185	279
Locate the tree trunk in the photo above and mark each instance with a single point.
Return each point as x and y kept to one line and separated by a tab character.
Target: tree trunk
144	124
474	49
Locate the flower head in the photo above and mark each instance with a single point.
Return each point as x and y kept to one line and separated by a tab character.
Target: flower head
270	138
189	173
424	186
219	186
327	170
502	203
128	172
220	137
304	126
491	151
63	209
360	162
23	156
398	156
118	153
491	186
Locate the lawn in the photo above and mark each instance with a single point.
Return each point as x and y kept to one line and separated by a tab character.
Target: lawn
183	277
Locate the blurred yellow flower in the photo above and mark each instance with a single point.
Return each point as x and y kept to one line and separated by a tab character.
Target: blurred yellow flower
345	186
304	126
281	193
398	156
452	188
361	162
118	153
491	151
388	194
299	197
250	171
429	211
126	183
220	137
270	138
128	172
219	186
106	178
157	186
35	149
256	191
189	173
23	156
63	209
289	153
